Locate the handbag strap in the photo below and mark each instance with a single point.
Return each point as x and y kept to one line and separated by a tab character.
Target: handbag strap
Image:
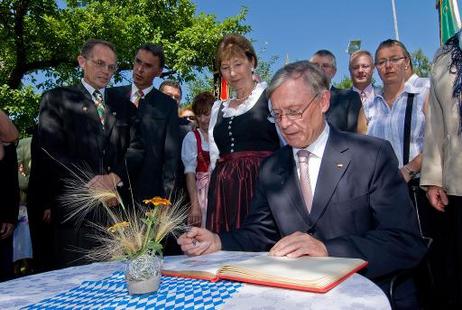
407	128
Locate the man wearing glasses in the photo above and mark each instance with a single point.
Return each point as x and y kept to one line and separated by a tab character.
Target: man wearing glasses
344	103
326	193
81	128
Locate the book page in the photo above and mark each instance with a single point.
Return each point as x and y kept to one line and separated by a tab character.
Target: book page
205	264
306	270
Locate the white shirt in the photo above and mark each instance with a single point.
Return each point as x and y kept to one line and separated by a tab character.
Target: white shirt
229	112
91	89
145	91
189	151
418	82
370	92
316	150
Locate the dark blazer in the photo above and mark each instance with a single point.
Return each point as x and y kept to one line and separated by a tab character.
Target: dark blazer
9	186
361	207
70	131
344	109
152	173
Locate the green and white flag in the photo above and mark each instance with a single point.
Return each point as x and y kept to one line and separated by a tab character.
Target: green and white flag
449	18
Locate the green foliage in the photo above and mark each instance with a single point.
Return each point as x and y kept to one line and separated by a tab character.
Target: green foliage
40	36
201	83
345	83
264	68
421	63
21	104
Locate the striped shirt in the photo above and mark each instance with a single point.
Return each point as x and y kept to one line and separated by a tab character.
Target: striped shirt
388	122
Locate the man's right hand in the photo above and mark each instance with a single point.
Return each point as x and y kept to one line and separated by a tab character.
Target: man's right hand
199	241
437	197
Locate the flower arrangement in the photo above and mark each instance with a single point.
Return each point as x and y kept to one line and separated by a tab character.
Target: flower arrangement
132	234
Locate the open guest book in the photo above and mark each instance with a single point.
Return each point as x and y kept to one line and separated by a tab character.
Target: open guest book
307	273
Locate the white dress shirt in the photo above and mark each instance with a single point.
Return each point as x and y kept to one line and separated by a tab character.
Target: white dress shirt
145	91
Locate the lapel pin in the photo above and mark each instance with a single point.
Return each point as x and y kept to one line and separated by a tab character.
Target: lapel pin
114	113
339	166
84	109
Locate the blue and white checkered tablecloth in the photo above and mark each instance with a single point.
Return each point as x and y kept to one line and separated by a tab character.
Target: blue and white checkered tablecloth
112	293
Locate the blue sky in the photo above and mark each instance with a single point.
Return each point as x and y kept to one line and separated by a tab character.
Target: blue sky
299	28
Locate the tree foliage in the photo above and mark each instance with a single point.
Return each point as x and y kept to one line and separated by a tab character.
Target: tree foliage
42	36
421	63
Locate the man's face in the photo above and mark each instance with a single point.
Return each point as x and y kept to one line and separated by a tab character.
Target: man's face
293	96
326	64
361	69
391	65
173	92
99	66
145	68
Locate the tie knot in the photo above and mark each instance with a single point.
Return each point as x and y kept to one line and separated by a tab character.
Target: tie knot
140	93
98	96
303	156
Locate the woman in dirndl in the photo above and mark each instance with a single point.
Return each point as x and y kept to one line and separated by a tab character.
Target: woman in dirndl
240	136
196	159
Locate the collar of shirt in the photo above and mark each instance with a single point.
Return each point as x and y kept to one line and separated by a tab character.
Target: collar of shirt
316	150
91	89
135	89
369	90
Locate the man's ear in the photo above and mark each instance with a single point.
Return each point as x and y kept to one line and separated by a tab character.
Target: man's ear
81	61
325	101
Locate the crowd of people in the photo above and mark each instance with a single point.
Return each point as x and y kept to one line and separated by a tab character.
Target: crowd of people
294	167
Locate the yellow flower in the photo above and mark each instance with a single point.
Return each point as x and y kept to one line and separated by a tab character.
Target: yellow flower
117	227
158	201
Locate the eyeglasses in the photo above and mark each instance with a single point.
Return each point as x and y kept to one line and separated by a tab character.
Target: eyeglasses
102	65
276	116
392	60
323	65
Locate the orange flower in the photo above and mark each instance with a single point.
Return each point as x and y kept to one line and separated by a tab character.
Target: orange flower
158	201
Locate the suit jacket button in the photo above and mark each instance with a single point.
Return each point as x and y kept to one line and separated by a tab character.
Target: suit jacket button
108	168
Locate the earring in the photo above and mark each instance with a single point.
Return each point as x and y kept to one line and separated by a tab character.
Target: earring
252	70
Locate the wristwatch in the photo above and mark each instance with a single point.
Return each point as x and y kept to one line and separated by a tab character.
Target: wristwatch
412	174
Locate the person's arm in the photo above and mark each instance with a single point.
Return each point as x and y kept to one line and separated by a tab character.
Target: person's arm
393	243
8	132
432	165
171	151
189	158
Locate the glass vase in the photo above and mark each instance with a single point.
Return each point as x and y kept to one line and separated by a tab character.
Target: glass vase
143	274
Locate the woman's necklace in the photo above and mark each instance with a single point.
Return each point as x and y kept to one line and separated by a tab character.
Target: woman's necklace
240	100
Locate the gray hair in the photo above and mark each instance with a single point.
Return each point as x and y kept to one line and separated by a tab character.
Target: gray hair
311	74
326	53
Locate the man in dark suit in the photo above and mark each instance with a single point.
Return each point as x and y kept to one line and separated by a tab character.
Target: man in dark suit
350	201
9	208
344	103
153	172
81	128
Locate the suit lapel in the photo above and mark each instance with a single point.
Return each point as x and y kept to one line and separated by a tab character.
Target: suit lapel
286	177
334	163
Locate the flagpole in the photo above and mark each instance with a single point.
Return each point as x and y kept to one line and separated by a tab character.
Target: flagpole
395	19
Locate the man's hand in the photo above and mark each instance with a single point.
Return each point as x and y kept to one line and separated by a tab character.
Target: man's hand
437	197
195	215
6	229
298	244
46	217
106	182
199	241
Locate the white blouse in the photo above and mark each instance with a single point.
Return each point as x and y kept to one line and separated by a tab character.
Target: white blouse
229	112
189	151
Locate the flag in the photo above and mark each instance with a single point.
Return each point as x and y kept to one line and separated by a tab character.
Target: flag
449	19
